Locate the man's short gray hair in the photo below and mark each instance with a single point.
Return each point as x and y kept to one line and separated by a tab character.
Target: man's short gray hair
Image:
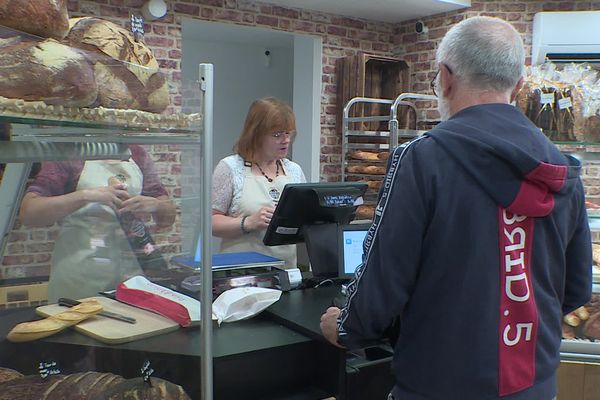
484	52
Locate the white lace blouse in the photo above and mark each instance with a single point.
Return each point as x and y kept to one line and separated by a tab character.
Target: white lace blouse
228	182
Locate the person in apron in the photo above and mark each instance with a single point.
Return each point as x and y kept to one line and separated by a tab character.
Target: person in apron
91	252
247	185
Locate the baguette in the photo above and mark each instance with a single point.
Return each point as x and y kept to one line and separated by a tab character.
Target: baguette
28	331
384	155
363	155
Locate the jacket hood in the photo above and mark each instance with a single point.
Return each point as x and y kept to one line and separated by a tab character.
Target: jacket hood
523	180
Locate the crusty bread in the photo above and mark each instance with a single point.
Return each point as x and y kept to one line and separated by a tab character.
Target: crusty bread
366	169
31	387
363	155
374	185
45	71
384	155
28	331
126	71
596	253
136	388
365	212
7	374
44	18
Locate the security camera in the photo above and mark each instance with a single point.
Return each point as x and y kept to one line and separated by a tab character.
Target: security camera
267	53
420	27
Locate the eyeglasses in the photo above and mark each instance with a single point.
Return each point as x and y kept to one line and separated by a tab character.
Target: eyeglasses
283	134
433	82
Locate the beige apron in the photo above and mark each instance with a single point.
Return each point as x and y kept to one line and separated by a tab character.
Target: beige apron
91	253
257	192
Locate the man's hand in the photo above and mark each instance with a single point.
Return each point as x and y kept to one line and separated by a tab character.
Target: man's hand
329	325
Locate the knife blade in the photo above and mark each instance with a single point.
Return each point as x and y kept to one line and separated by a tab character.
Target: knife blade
63	301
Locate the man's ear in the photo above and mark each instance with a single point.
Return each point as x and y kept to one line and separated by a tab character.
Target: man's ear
446	79
517	89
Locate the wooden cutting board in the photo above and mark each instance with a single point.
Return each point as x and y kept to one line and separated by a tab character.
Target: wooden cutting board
112	331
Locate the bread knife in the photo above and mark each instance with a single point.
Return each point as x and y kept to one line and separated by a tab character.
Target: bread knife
63	301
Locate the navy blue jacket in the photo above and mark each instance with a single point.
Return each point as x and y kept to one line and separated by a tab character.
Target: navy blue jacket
479	245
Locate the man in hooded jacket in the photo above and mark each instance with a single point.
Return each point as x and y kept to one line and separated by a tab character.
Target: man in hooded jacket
480	241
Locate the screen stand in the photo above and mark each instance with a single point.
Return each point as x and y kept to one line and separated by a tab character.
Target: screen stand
323	249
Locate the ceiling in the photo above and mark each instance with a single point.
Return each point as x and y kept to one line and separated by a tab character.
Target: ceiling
377	10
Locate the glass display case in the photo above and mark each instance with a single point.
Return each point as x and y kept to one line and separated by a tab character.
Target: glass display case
106	169
581	329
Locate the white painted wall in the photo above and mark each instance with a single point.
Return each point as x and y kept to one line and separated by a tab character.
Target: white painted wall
240	77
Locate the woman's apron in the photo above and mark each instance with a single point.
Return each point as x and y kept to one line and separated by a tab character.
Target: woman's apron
91	253
257	192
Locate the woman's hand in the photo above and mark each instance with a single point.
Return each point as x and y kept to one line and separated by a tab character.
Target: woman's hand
140	205
112	196
259	220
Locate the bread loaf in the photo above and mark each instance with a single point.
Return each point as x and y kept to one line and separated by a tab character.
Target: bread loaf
45	18
27	388
28	331
126	71
384	155
48	71
82	385
363	155
365	212
7	374
374	185
89	386
134	389
366	169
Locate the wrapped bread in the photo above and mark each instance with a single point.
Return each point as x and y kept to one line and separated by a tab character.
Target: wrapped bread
126	71
44	18
45	71
28	331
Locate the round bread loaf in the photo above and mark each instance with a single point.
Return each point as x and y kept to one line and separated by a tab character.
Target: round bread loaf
82	385
126	71
27	388
45	71
134	389
45	18
7	374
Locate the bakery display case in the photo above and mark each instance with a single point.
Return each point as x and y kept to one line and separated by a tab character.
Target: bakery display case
368	140
87	114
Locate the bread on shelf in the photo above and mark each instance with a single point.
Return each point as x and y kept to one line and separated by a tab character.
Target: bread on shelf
366	169
43	18
365	212
126	71
46	71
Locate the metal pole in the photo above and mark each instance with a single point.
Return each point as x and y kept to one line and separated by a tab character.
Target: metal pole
206	85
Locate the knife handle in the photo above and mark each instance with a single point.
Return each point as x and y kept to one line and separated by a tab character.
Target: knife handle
63	301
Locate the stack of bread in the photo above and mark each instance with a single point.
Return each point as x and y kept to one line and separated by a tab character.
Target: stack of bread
563	102
49	60
583	323
85	386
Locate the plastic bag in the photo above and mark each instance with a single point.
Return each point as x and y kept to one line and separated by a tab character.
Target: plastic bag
243	303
